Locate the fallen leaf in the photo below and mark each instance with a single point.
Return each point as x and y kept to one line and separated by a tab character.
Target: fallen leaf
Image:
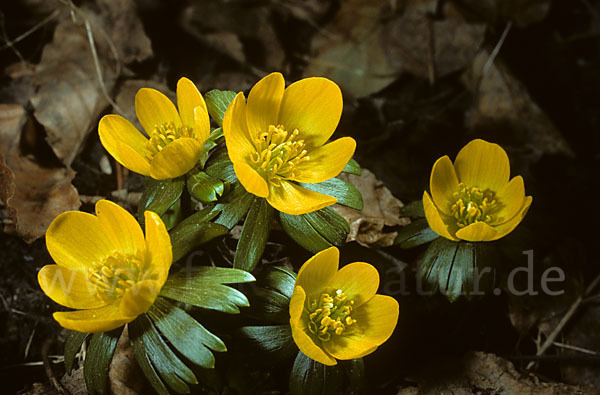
69	96
502	102
33	194
479	372
521	12
381	210
364	50
124	373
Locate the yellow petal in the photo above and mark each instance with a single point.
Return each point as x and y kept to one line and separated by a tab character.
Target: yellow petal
478	231
443	184
434	218
297	305
76	240
292	199
358	280
316	273
326	162
482	164
251	180
314	107
375	323
509	226
102	319
115	132
511	199
133	160
264	101
139	298
155	109
121	228
301	337
202	123
188	98
235	129
70	288
158	247
176	159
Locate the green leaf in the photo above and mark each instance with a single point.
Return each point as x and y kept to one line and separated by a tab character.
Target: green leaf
303	233
159	196
195	231
221	275
268	305
415	234
72	346
220	166
332	226
456	268
217	102
275	339
172	370
352	167
309	377
255	234
203	187
203	292
345	193
97	361
234	206
413	209
186	334
280	279
143	360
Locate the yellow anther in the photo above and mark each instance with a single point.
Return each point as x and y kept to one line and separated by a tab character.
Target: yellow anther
473	205
330	315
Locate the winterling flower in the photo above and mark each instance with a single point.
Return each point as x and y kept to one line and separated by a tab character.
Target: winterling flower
175	138
473	199
105	267
335	314
277	139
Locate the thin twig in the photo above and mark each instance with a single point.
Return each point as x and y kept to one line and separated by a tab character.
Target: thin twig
48	368
554	334
496	49
575	348
97	66
29	341
10	43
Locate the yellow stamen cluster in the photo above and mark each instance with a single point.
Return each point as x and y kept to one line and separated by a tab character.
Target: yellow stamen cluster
115	275
473	205
165	134
278	153
330	315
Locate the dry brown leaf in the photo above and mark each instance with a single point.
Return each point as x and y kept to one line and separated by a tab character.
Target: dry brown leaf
70	98
349	50
503	103
364	52
478	372
34	195
521	12
124	373
230	25
381	209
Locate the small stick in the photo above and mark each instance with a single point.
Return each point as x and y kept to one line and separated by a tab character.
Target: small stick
575	348
496	49
10	43
48	368
554	334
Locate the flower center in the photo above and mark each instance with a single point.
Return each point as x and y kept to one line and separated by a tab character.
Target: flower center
115	275
330	315
164	134
278	154
473	205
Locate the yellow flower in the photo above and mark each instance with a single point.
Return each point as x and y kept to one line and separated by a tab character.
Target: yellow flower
336	314
105	267
473	198
278	138
176	138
